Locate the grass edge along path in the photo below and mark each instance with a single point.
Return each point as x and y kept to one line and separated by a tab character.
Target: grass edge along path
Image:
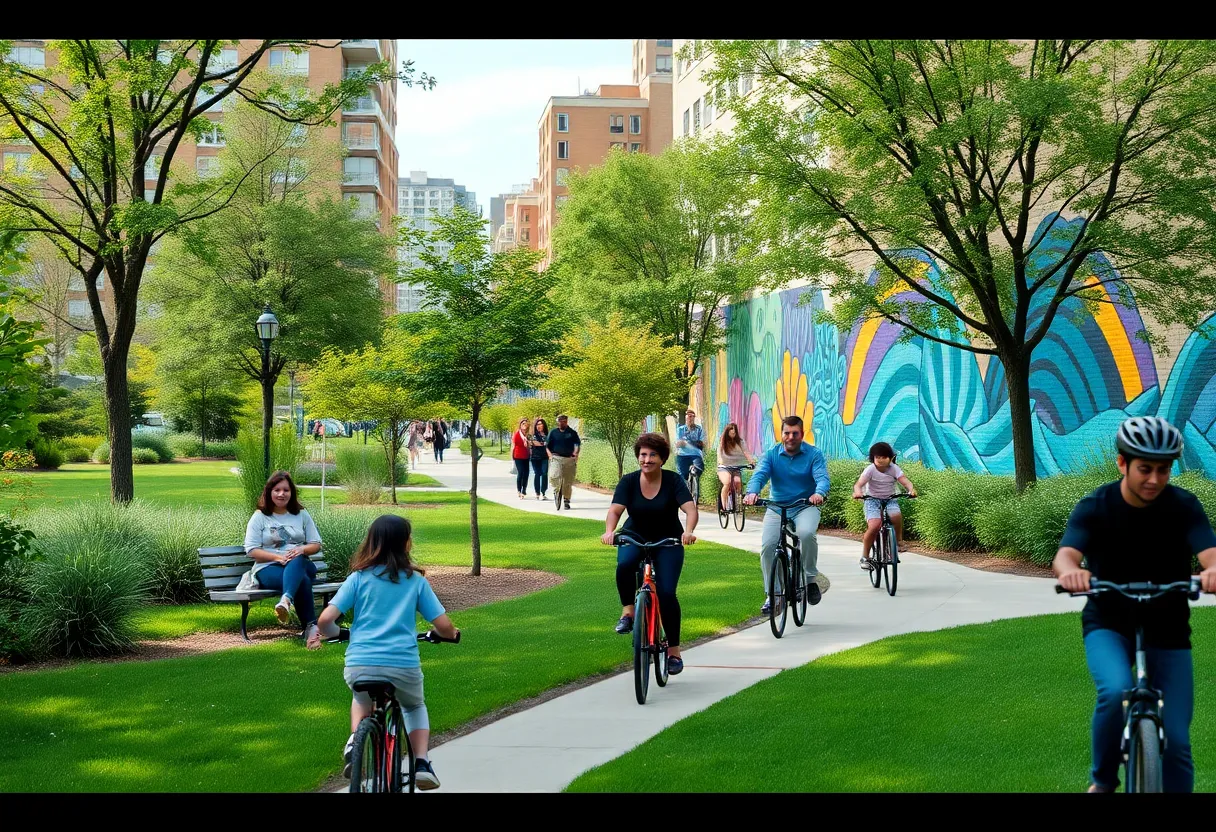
273	717
997	707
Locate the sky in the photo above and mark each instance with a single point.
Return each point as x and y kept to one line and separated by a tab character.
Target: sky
479	124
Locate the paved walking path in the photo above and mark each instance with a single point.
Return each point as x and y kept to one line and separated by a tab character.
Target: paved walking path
544	748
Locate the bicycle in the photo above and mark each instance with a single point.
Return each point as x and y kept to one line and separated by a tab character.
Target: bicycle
1143	730
381	739
883	558
693	481
734	505
649	639
786	580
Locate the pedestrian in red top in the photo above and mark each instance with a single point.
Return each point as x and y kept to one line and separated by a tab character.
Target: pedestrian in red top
521	453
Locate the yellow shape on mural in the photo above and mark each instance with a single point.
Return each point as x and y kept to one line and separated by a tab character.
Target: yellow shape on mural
865	337
792	399
1107	318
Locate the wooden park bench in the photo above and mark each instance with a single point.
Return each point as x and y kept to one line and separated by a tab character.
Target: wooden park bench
223	567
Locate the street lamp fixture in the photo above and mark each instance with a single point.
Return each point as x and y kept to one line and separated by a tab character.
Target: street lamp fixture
267	327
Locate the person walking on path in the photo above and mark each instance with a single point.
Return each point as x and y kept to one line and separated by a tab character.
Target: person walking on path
414	437
690	445
563	445
438	439
521	456
798	471
540	459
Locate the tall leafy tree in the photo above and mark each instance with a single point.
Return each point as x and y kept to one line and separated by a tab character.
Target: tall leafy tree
489	324
105	118
19	342
618	378
663	240
878	150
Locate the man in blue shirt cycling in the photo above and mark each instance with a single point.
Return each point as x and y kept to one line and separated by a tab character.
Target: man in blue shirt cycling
690	445
798	470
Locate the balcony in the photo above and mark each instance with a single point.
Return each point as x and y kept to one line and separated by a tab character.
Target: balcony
361	178
362	51
362	142
364	106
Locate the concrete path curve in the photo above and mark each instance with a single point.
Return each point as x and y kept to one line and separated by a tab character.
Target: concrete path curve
543	749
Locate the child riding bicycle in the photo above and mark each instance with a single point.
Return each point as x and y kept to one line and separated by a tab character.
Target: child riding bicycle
881	475
387	592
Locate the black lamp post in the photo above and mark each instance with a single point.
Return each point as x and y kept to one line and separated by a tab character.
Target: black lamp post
267	327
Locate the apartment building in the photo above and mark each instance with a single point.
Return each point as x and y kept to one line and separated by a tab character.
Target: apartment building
366	127
421	198
578	132
695	110
521	218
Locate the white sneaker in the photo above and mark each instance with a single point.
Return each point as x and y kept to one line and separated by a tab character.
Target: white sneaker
346	752
424	775
282	609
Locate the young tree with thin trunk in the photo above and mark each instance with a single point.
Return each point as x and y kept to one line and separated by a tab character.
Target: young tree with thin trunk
489	323
104	120
1031	172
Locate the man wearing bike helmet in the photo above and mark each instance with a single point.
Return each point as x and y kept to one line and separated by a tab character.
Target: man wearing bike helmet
1140	528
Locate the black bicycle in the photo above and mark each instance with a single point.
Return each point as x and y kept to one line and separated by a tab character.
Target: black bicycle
734	499
1143	730
693	481
649	638
381	741
883	558
786	580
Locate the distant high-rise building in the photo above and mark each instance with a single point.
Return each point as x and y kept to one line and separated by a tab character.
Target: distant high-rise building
521	218
421	198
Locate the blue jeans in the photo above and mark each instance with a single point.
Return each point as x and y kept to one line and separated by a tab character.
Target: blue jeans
1110	657
684	463
668	562
295	581
540	471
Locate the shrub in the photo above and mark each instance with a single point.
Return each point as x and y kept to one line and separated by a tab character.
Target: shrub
597	465
17	460
76	454
309	473
286	454
157	442
102	453
946	515
1029	526
191	446
366	461
47	454
360	475
711	486
342	530
144	456
177	535
79	441
842	473
93	576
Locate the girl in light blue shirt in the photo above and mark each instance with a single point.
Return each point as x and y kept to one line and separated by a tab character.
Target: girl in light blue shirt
387	592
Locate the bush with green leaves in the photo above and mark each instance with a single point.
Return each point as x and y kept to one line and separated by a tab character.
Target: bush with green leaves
102	453
946	514
47	454
286	453
177	535
190	445
309	473
154	441
88	443
842	473
366	461
144	456
342	530
75	454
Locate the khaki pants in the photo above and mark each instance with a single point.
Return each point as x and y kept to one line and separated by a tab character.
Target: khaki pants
561	474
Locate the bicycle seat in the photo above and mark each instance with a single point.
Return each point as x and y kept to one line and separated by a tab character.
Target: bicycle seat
375	687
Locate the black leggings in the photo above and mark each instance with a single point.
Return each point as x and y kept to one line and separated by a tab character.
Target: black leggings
521	474
668	563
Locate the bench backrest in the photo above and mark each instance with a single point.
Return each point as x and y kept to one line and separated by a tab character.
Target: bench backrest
223	566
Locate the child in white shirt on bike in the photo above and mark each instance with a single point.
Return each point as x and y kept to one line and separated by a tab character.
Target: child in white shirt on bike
880	476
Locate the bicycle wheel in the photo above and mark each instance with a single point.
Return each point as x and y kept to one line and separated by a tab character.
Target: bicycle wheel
660	648
876	562
777	595
366	763
1144	759
740	510
798	587
641	650
399	750
723	512
891	568
694	485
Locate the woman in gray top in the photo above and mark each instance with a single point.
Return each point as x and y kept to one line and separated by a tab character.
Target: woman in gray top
732	453
280	537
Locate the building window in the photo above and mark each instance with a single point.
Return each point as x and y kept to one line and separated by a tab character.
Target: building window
16	162
152	167
220	105
207	166
709	109
360	135
745	85
223	60
616	146
561	200
293	63
686	122
663	44
365	205
297	136
696	116
525	235
213	136
635	147
635	125
562	175
563	150
563	122
30	56
78	308
616	124
359	170
662	64
525	216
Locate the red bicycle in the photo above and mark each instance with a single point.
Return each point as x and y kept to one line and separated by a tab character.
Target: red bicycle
649	640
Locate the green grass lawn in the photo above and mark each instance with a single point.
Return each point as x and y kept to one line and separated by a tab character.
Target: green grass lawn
487	447
274	717
173	483
984	708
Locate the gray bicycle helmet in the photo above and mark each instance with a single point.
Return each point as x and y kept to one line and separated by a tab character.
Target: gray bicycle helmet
1148	437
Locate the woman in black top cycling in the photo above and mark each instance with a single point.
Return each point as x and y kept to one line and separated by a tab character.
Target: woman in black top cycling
654	499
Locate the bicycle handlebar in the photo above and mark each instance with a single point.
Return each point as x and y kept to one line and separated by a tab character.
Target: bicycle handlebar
896	497
749	466
1138	591
622	538
430	635
805	501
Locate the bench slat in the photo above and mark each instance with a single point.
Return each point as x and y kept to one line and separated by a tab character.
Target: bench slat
259	594
232	580
218	560
221	550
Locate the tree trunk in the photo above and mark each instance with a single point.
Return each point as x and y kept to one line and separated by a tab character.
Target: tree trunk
202	422
118	416
474	534
1017	377
394	446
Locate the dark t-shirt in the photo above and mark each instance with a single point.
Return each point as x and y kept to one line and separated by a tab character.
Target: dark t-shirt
1122	543
653	520
562	442
538	451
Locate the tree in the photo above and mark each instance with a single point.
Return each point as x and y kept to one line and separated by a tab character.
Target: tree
618	378
50	281
960	150
18	343
372	384
488	323
499	419
663	240
531	407
105	119
313	260
89	401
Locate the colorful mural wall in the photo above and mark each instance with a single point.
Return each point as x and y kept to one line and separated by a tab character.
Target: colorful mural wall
935	404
